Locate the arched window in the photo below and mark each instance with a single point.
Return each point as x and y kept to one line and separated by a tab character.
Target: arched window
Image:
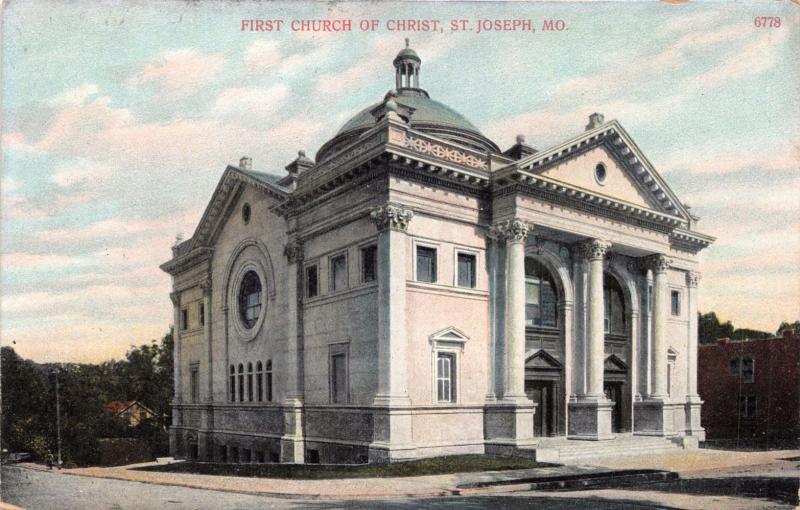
541	299
615	306
269	380
259	381
232	384
249	382
241	382
250	299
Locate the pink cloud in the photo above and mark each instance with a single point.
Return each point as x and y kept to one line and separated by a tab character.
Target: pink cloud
179	73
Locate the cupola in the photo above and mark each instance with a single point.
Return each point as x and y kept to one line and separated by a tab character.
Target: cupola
406	65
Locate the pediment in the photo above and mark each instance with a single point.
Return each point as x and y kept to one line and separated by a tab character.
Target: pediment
225	196
449	334
614	364
542	360
630	179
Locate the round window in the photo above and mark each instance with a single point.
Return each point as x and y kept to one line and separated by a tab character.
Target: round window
250	299
246	213
600	173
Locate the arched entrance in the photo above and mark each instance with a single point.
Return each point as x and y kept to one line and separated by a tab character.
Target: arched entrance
616	376
544	347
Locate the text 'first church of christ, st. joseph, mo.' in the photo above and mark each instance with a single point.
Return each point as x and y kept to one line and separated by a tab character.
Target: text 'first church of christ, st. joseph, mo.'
417	291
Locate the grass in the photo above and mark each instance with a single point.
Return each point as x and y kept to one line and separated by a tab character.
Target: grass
434	466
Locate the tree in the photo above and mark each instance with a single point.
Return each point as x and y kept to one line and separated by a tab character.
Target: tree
710	329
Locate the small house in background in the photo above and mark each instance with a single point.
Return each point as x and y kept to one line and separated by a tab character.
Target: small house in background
131	412
751	390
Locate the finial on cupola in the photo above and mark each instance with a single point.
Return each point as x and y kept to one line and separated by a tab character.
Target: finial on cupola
595	120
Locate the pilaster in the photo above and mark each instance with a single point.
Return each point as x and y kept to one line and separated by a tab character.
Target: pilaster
174	435
292	440
693	402
391	416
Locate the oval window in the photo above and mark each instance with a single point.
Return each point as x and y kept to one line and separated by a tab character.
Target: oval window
246	213
250	299
600	173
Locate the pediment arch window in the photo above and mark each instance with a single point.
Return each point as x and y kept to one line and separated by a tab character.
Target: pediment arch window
614	302
541	296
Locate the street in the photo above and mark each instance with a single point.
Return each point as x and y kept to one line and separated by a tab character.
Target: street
43	490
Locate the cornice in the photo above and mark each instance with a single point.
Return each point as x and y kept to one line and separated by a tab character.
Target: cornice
184	262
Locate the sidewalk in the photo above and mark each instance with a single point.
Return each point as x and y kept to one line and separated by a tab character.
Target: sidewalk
687	463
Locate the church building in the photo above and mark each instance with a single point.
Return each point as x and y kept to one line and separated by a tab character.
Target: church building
415	290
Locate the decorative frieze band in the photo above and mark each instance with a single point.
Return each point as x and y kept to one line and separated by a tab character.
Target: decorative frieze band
514	230
692	278
293	251
594	249
391	217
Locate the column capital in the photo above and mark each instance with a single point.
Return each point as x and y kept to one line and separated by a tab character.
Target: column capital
175	297
293	251
391	217
514	230
659	263
594	249
205	286
692	278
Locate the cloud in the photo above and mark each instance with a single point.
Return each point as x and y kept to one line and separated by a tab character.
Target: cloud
244	102
179	73
714	160
75	96
22	260
79	172
262	55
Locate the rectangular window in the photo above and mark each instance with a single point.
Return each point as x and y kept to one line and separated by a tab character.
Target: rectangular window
184	319
748	370
369	263
312	282
268	376
339	378
194	383
445	377
202	315
241	384
532	300
747	406
338	272
249	382
426	264
232	384
259	382
466	270
676	302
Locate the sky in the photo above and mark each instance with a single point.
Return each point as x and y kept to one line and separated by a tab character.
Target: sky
119	119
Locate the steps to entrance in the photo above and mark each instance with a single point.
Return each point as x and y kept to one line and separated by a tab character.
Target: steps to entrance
570	451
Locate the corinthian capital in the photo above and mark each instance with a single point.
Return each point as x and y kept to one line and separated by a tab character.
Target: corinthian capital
514	230
692	278
594	249
658	263
293	251
391	217
205	286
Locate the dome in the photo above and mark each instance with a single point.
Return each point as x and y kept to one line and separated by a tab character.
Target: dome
427	115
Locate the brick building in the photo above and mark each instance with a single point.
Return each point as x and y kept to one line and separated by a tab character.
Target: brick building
751	389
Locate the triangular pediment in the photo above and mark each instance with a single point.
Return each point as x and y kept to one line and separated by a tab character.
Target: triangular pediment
627	176
229	188
613	363
450	334
541	360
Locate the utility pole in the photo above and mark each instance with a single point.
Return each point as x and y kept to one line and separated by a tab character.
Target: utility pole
58	421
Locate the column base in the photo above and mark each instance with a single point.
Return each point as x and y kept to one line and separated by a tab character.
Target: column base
508	424
174	438
292	440
391	434
590	419
693	426
654	416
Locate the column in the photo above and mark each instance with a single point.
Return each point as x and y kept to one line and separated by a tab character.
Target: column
508	422
492	263
659	264
590	414
292	444
594	251
655	415
205	438
175	446
516	232
693	403
391	417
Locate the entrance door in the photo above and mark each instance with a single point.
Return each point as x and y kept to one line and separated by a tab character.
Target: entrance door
613	391
542	393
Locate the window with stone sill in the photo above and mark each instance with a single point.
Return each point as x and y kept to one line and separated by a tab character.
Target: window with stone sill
675	302
445	377
312	281
541	299
369	263
466	265
338	374
202	314
194	383
338	272
747	406
426	264
184	319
